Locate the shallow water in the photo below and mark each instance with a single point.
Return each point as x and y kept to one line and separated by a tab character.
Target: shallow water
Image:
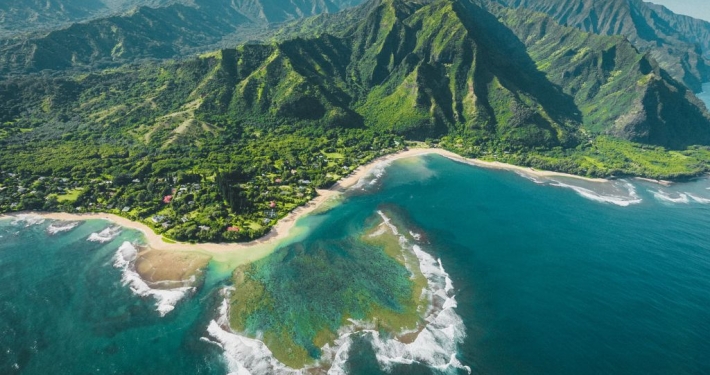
549	277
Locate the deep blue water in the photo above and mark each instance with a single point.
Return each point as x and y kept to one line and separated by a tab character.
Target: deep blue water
547	281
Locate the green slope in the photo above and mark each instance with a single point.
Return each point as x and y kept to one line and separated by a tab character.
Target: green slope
241	128
675	42
172	30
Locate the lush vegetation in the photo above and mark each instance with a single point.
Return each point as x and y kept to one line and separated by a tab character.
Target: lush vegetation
602	157
184	192
219	147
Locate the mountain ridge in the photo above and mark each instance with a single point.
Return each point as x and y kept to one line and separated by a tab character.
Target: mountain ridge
171	31
645	26
438	67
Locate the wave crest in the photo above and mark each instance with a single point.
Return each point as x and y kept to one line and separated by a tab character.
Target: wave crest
166	299
618	200
105	235
60	227
664	196
28	220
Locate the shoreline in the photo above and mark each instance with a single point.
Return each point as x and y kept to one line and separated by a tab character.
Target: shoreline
283	227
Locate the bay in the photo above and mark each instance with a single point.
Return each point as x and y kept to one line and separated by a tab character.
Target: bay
548	279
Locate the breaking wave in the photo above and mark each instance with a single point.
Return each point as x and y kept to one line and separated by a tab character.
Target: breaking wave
28	220
166	300
242	355
373	176
530	177
668	197
436	343
618	200
63	226
699	199
105	235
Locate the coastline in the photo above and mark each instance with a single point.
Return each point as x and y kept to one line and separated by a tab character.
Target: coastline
283	227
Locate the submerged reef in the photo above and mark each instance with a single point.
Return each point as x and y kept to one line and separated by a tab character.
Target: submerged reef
297	299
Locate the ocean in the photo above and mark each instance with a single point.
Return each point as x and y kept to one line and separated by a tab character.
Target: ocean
537	276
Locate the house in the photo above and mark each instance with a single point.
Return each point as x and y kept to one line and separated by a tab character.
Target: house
204	228
233	229
272	204
126	209
167	199
158	218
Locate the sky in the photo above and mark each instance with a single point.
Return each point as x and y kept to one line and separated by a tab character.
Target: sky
695	8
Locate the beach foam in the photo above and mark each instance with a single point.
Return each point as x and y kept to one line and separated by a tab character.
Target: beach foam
698	199
373	175
435	346
28	220
60	227
530	177
105	235
618	200
165	299
242	355
667	197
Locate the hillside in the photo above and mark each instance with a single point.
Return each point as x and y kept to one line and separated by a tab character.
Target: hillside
21	16
239	137
691	30
676	42
175	30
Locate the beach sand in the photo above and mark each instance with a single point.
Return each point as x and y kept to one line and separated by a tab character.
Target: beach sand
264	245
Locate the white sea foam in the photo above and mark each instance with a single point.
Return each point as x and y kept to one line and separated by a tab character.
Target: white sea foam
698	199
373	175
667	197
105	235
242	355
618	200
165	299
435	345
416	236
530	177
28	220
60	227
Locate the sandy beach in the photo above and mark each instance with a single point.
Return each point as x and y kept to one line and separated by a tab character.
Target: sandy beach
284	226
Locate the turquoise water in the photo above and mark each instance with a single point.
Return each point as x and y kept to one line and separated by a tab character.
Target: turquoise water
64	310
552	276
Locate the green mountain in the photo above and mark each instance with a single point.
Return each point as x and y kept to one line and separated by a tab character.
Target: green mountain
689	29
175	30
679	44
425	70
21	16
477	70
241	136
